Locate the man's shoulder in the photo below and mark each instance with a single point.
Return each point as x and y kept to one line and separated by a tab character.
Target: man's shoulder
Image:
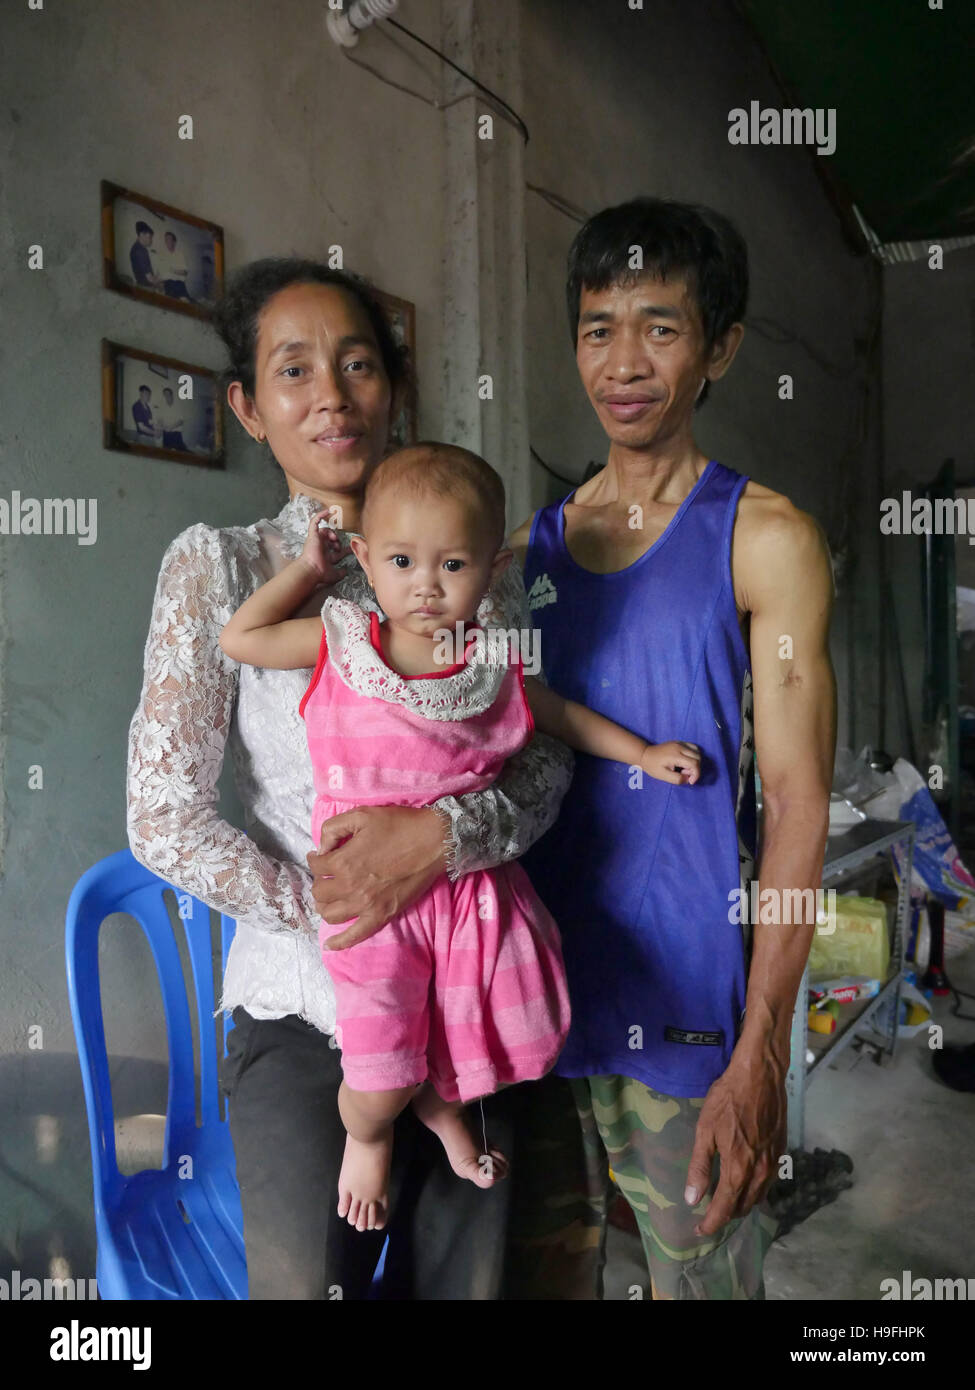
768	519
776	544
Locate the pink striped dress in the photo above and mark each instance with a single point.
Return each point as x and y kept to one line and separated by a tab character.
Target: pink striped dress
465	988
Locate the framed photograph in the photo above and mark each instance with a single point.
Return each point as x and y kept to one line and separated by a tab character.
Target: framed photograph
160	407
402	316
159	254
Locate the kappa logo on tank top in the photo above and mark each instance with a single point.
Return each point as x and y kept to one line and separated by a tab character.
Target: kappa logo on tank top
542	593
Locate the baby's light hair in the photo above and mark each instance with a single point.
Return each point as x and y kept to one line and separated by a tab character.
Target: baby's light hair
441	470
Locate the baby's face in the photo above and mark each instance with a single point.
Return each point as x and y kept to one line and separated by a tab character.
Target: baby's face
427	563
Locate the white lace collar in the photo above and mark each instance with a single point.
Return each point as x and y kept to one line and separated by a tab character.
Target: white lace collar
294	517
461	695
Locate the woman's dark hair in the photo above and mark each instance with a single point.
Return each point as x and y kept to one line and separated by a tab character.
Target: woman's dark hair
674	238
236	315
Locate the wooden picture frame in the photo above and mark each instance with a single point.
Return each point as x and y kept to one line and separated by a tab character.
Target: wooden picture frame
195	435
402	318
193	257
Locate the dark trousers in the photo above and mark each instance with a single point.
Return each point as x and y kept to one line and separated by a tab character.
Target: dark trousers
446	1236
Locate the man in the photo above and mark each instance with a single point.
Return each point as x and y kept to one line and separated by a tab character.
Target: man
665	588
174	271
171	422
145	427
141	260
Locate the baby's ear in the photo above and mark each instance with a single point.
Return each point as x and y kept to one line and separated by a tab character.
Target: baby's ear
360	550
500	563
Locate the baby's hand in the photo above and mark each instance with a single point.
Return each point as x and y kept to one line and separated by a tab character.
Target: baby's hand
675	762
323	550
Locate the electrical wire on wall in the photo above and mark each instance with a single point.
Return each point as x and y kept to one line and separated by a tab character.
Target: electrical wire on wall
503	109
573	482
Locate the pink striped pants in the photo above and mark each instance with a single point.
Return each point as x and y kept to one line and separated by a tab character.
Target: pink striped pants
466	988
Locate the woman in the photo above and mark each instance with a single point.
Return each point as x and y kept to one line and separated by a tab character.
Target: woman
314	371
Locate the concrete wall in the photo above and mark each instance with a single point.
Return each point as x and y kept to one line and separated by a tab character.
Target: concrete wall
296	148
929	416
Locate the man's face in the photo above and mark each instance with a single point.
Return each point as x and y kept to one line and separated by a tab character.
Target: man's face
641	354
170	240
146	238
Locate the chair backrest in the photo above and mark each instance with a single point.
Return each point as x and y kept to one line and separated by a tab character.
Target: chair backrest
121	884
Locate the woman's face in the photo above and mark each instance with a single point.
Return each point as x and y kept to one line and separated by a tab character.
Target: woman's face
322	397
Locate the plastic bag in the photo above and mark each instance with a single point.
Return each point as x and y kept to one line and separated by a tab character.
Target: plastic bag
938	868
859	943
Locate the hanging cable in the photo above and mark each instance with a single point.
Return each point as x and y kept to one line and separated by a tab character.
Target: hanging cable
516	119
783	336
559	203
562	479
410	91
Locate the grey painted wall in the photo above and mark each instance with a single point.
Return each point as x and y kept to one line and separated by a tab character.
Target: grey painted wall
929	416
296	148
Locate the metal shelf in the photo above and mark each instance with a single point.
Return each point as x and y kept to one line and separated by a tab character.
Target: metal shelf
847	857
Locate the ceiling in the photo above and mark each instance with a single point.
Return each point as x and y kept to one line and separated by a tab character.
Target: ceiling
901	77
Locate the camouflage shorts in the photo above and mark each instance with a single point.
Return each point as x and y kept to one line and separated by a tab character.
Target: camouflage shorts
569	1134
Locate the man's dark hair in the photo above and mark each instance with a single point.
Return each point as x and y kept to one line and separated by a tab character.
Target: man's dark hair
141	227
146	388
675	238
172	234
236	316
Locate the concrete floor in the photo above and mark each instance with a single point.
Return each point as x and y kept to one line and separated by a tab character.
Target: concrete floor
912	1205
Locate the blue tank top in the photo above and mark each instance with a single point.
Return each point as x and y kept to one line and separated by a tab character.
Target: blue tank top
642	877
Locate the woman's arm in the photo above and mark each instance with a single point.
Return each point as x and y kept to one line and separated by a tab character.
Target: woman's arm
583	729
176	749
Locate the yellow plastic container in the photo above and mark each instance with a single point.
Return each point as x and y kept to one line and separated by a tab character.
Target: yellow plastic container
860	945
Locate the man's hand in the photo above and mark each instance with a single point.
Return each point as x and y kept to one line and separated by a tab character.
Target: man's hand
388	856
743	1119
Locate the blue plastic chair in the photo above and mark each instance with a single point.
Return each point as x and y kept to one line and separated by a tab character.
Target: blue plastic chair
160	1235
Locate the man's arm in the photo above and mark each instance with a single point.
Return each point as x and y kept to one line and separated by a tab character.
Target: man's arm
785	580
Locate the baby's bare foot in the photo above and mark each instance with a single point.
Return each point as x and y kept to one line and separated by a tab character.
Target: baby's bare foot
364	1182
449	1124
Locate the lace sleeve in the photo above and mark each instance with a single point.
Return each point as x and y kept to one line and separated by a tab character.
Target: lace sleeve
176	749
493	826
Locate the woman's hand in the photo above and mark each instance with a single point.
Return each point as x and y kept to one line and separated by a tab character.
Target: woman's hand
679	763
387	857
323	550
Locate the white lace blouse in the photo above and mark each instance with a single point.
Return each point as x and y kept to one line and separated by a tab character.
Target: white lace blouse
196	700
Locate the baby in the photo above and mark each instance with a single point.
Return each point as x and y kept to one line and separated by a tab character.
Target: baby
464	992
